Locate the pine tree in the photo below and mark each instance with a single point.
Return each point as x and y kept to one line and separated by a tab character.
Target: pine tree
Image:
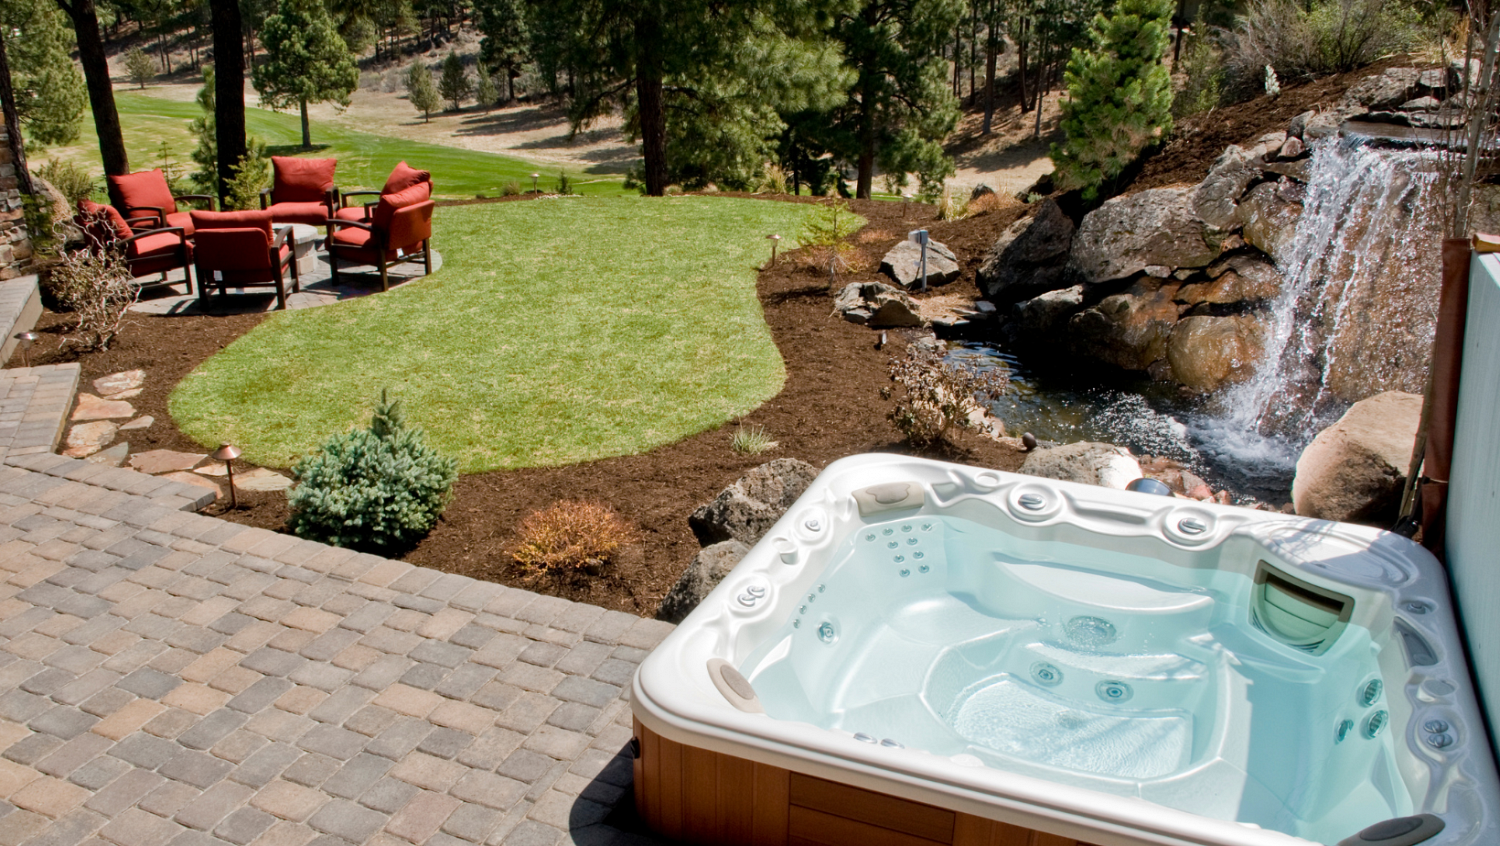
140	67
306	61
420	90
1119	96
507	39
48	91
484	88
205	129
454	85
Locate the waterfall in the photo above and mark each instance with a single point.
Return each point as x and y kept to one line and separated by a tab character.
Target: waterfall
1356	314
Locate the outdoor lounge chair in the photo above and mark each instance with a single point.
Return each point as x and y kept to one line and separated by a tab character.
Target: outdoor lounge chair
302	191
239	250
151	250
145	193
402	177
399	229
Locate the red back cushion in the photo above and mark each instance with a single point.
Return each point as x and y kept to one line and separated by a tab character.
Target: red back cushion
389	203
410	226
145	189
403	176
256	219
301	180
101	224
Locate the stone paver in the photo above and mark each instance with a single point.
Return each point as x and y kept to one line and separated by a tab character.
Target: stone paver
170	679
34	404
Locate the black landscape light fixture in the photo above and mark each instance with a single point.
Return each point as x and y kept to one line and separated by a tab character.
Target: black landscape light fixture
26	339
227	453
775	242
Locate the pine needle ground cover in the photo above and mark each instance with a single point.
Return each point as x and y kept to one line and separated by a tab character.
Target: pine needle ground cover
557	331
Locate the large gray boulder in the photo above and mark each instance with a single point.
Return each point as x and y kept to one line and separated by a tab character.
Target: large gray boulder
1042	314
1090	463
1270	221
1027	258
876	304
904	264
1207	353
745	510
703	574
1386	91
1129	330
1128	234
1217	198
1355	469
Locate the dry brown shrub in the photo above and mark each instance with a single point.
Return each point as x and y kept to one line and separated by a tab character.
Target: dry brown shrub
571	538
985	203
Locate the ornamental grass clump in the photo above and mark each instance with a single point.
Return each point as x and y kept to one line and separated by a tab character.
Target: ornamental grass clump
379	489
571	538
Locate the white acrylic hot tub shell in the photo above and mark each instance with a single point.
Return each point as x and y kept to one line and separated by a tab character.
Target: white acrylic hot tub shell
673	696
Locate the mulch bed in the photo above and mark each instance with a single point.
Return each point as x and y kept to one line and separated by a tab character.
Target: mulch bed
829	408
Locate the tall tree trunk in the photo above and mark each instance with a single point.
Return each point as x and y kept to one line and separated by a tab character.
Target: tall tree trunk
306	129
991	54
229	91
101	93
958	55
1021	55
648	93
13	123
867	137
973	48
510	85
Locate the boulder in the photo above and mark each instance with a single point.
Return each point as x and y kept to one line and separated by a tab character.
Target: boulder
1105	465
746	509
876	304
1239	279
1298	124
1270	221
979	191
1216	199
1129	330
703	574
1043	314
1128	234
1026	259
1208	353
1385	91
904	264
1354	470
1422	104
1291	148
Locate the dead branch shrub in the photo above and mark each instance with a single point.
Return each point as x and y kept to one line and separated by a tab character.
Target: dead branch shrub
937	395
1321	37
96	286
571	538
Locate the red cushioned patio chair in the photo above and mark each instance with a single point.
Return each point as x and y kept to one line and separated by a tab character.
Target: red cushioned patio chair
145	194
239	250
399	229
302	191
402	177
147	252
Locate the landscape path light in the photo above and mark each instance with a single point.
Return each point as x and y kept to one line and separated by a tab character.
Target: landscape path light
27	339
534	178
227	453
775	242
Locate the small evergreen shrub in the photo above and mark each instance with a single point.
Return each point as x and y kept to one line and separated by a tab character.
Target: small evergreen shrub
825	234
379	489
937	395
252	174
72	181
564	184
571	538
140	67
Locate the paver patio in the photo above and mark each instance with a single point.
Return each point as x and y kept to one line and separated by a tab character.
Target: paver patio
172	679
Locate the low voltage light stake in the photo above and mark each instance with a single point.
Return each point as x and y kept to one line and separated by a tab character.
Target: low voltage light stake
775	242
27	339
534	178
919	236
227	453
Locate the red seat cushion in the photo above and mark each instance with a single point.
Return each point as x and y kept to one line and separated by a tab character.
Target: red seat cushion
253	219
312	214
155	253
183	219
353	213
402	177
142	190
101	224
301	180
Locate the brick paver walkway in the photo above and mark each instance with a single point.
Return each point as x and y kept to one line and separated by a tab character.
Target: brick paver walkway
34	405
171	679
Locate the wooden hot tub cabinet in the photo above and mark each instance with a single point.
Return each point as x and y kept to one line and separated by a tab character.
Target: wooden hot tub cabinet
712	799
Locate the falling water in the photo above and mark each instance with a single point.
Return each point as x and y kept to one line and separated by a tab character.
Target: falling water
1357	311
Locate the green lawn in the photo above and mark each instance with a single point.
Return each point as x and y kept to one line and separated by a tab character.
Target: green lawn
364	159
557	331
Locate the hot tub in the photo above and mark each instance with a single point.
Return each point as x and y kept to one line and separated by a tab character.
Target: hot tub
921	652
